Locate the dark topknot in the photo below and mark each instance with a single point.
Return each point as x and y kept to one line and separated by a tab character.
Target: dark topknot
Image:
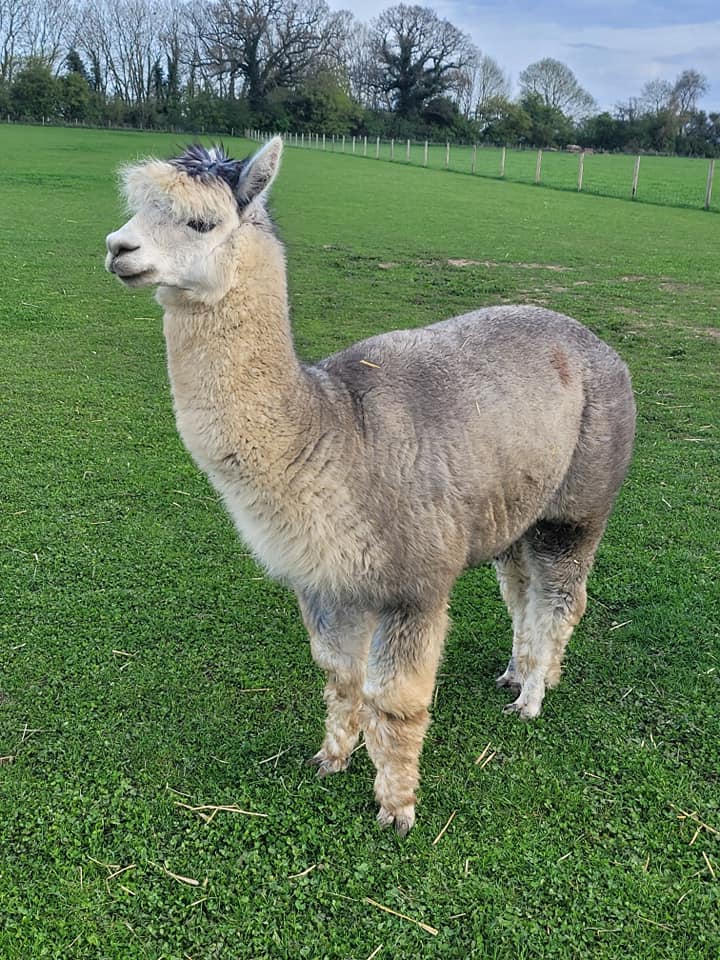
207	164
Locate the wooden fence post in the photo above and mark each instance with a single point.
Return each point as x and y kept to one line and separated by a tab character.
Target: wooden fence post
636	175
377	148
474	159
426	154
392	148
407	152
502	161
353	145
365	147
708	188
343	144
447	154
581	167
323	141
538	167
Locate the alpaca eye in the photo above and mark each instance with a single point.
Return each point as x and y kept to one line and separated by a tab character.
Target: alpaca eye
201	226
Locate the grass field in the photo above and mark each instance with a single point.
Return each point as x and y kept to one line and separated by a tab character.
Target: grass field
147	666
670	181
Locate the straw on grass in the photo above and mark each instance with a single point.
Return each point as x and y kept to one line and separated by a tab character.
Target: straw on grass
450	820
207	811
423	926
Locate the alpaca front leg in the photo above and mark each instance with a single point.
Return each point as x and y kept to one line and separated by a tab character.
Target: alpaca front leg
401	672
339	642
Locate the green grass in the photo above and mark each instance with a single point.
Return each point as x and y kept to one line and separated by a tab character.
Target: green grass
670	181
134	626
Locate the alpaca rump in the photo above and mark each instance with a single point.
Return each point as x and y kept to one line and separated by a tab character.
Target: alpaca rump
368	482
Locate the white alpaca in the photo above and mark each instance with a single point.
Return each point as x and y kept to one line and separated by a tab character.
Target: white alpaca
369	481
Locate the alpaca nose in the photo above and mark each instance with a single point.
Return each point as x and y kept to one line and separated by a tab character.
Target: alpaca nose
118	245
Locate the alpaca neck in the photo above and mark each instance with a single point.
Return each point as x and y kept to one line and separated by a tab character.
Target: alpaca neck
242	399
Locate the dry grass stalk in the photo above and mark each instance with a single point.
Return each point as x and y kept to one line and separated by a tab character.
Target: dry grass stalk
116	873
663	926
8	759
487	759
190	881
450	820
684	815
418	923
368	363
483	754
275	756
706	858
303	873
375	952
207	811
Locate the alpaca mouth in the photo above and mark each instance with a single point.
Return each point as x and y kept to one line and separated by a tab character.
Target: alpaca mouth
141	278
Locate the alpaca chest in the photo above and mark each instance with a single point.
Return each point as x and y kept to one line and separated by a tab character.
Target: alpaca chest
292	538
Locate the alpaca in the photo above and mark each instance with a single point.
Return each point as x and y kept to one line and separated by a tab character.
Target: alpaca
368	481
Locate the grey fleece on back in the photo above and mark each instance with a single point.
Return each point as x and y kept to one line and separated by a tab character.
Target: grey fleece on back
486	423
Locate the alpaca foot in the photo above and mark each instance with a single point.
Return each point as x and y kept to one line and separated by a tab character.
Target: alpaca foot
327	764
529	704
402	818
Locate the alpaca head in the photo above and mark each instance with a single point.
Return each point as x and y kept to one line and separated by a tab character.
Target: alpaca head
188	215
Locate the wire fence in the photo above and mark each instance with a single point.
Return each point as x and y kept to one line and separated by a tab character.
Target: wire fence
669	181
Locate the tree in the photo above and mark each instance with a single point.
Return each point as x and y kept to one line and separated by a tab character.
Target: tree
417	54
14	20
656	96
549	127
257	46
557	85
505	122
689	87
479	83
74	96
34	92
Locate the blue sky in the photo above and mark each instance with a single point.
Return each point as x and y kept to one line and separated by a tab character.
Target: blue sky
613	47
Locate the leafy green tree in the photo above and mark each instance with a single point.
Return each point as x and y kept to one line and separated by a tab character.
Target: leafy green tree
34	92
74	97
505	122
603	132
321	104
549	127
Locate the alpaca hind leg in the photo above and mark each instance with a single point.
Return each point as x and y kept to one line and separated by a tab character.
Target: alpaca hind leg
559	558
514	578
400	679
339	642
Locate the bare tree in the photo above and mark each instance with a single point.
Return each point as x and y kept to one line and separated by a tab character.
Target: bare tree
656	96
689	87
485	84
256	46
15	16
557	85
50	30
417	54
362	70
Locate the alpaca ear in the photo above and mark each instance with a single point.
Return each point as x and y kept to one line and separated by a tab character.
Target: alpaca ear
259	172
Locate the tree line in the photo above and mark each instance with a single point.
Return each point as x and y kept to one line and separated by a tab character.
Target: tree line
296	65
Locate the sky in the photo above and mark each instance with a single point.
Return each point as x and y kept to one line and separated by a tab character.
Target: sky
612	46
